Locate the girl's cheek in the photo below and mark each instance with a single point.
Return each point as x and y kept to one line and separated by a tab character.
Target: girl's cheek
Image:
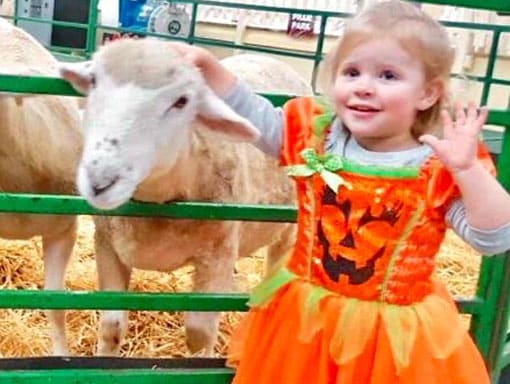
339	96
335	99
336	90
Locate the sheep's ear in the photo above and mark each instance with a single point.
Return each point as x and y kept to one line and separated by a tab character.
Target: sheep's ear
221	119
80	75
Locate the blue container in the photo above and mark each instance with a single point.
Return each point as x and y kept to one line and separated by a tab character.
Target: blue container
134	14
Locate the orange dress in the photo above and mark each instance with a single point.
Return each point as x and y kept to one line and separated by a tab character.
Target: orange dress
356	301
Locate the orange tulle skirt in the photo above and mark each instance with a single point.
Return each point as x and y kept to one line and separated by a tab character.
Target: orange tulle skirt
309	336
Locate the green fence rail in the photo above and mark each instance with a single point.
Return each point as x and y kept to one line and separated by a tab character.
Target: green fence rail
489	308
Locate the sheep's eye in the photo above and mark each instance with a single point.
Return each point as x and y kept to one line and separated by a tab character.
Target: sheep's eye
181	102
92	81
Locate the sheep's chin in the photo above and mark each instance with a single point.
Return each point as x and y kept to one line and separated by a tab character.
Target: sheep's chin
112	198
104	202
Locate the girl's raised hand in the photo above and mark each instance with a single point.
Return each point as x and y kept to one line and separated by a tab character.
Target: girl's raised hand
458	147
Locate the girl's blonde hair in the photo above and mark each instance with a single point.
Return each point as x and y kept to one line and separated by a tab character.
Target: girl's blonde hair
419	34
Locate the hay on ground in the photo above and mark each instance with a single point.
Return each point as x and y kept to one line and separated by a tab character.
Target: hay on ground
25	333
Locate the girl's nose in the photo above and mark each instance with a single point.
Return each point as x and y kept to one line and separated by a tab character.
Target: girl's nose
364	86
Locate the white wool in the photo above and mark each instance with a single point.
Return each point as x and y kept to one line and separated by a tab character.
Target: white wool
133	148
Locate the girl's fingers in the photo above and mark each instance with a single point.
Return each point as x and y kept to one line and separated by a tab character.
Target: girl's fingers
431	141
476	118
472	112
188	53
483	113
447	123
469	120
460	116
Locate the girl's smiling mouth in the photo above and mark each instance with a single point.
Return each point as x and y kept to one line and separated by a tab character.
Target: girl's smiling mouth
360	110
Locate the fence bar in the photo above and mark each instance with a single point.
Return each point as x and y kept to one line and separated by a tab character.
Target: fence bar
125	376
135	301
74	205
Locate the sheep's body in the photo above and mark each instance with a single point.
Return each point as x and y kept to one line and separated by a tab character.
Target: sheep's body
40	146
266	74
154	149
211	246
214	170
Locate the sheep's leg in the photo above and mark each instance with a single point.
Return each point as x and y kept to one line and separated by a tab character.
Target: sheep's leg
213	273
57	251
113	276
276	252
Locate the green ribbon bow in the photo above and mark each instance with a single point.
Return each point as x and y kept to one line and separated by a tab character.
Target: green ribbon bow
326	165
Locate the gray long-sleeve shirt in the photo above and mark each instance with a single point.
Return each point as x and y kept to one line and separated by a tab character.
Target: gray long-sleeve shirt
270	121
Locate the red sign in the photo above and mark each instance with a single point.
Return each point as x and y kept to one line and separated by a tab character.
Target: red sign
300	25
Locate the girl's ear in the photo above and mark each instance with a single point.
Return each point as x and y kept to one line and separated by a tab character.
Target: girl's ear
431	94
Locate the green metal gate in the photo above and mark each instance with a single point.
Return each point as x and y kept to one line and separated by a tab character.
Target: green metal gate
489	308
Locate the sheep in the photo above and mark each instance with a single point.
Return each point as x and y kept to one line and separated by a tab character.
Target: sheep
156	133
40	148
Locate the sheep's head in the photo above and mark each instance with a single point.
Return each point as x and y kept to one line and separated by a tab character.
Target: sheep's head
142	99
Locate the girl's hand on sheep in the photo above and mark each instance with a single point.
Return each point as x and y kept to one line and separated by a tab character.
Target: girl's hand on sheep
217	77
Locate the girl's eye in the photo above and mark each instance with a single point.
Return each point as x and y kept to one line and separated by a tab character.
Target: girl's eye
350	72
389	75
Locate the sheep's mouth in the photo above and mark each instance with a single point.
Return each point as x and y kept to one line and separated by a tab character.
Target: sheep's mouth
100	189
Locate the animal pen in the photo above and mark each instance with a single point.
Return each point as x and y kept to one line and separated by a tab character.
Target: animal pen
489	308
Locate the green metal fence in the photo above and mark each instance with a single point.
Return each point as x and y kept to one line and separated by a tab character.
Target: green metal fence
489	309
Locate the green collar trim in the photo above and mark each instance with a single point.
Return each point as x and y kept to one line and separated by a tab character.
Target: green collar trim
322	123
375	170
329	164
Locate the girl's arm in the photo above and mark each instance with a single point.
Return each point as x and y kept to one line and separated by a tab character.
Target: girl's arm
486	202
261	113
486	241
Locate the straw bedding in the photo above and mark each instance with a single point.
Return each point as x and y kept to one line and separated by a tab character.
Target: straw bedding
25	333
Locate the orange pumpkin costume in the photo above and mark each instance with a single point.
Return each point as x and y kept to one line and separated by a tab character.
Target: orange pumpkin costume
356	302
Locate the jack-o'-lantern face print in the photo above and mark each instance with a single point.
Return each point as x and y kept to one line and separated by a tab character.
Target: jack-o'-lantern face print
355	234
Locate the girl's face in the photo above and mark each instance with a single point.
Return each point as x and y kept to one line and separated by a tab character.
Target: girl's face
379	89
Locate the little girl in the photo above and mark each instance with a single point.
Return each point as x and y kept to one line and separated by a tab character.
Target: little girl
357	302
